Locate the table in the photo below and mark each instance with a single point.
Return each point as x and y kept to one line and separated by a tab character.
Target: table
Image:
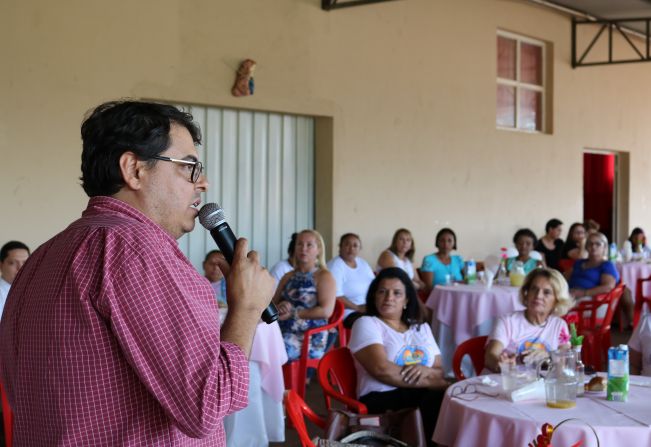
471	423
630	272
463	311
262	421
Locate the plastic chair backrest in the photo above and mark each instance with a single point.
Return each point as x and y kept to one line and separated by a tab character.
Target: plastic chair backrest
338	379
344	333
640	299
7	417
297	369
475	348
297	410
592	323
565	265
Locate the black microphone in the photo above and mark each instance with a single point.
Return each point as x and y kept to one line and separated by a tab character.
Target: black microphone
213	219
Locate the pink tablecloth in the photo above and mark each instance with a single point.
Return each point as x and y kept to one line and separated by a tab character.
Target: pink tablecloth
463	307
630	272
269	352
496	421
262	421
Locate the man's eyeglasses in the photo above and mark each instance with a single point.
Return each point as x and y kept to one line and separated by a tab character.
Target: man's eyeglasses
469	392
196	166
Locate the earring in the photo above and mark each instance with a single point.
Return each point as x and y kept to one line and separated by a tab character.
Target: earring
404	307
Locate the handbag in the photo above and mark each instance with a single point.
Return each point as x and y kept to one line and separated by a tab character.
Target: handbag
399	428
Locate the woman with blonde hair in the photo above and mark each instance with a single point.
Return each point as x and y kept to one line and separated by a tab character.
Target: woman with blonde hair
305	297
529	335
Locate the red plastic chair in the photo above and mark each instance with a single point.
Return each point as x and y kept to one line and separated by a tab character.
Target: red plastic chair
565	265
344	332
294	373
475	348
422	293
338	379
8	417
596	331
297	410
640	299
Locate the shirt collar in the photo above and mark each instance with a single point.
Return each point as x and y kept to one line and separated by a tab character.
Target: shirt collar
101	205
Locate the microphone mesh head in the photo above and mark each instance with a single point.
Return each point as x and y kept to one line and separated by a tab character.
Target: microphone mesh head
211	215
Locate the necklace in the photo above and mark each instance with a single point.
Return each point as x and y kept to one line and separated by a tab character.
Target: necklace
396	327
543	324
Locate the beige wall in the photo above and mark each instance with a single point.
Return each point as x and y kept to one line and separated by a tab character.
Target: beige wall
409	85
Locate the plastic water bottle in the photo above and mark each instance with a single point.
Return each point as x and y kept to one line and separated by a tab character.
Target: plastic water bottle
471	271
612	252
617	373
580	371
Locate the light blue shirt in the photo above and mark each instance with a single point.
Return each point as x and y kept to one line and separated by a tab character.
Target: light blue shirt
431	263
528	266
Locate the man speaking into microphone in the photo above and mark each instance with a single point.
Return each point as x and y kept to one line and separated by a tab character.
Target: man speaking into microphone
109	336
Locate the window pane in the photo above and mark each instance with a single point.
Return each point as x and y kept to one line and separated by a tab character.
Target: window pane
530	110
505	57
505	106
530	63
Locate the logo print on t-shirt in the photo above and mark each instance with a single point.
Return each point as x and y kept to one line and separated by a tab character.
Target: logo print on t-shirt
533	344
412	355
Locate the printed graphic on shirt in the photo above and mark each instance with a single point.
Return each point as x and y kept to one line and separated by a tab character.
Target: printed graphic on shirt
412	355
533	344
563	337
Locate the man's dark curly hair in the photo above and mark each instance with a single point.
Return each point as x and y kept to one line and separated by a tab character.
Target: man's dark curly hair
116	127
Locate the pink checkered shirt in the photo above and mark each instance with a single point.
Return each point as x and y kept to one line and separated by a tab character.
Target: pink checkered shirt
111	338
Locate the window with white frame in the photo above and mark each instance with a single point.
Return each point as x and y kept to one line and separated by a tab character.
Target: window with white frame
520	83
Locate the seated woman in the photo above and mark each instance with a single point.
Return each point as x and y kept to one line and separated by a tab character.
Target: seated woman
524	240
591	226
396	357
640	348
401	254
530	335
437	266
305	297
638	240
353	275
574	247
596	275
551	244
284	266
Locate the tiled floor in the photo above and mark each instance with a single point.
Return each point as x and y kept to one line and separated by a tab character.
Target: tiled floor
314	398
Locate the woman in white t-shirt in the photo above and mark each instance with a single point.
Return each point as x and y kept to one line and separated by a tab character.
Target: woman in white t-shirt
640	347
353	275
529	335
397	360
401	254
284	266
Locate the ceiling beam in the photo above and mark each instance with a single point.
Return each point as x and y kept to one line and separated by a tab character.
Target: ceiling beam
614	28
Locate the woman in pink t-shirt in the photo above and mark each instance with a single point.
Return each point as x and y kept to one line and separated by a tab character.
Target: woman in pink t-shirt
530	335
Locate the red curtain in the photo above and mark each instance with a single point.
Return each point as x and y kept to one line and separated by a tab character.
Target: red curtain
598	182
